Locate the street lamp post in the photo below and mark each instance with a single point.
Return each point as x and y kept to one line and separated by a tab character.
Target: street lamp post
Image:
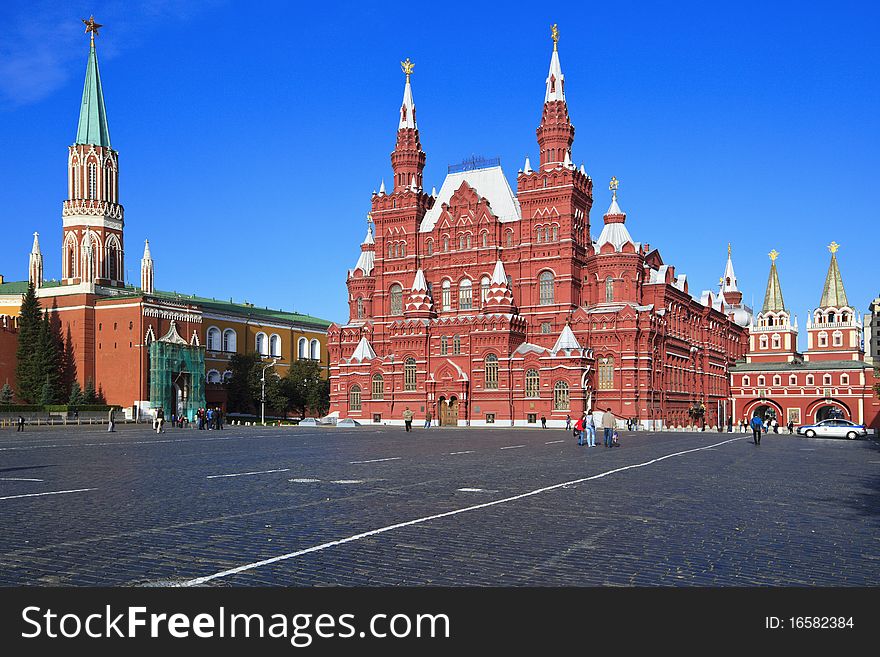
263	394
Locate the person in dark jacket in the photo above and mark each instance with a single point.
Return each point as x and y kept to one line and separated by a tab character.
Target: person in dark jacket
757	425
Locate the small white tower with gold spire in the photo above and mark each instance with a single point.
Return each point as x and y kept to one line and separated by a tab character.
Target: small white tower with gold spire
147	270
35	264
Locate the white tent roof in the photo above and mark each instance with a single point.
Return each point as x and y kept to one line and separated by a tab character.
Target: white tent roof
490	183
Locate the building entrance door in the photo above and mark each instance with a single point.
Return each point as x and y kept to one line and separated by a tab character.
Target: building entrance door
447	411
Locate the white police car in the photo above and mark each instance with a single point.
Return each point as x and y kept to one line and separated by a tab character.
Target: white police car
833	429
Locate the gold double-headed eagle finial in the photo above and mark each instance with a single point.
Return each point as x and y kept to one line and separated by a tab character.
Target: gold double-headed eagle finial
369	219
728	249
833	247
613	185
407	67
554	34
773	255
92	26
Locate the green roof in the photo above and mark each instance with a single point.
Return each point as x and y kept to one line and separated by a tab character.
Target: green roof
808	365
20	287
92	127
833	293
773	296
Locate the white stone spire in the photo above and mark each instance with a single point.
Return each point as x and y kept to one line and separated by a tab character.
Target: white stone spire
419	282
527	168
567	161
408	107
382	187
363	351
412	184
555	79
434	192
499	299
147	270
35	263
566	341
367	259
499	276
728	283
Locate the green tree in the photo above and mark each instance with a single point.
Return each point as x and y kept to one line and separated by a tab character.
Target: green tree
6	394
244	385
100	398
28	381
76	395
89	395
49	362
307	390
68	364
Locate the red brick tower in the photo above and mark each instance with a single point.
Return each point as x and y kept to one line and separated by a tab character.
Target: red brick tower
833	329
92	251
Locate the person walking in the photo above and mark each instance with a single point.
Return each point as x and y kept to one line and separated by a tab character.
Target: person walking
543	422
20	425
160	420
111	417
775	425
579	430
407	418
790	426
568	422
428	419
608	424
219	413
729	424
590	428
757	426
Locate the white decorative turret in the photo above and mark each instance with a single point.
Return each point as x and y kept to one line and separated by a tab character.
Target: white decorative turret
35	264
367	259
567	161
555	78
499	299
408	107
363	351
614	232
382	187
566	342
147	270
419	303
527	167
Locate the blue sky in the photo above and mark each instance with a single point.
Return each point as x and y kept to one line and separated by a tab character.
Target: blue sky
251	135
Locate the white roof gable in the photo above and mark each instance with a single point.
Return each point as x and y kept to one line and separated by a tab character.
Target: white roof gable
363	351
490	183
566	340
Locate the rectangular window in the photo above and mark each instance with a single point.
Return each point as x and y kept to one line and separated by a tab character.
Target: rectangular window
490	418
532	418
377	418
545	327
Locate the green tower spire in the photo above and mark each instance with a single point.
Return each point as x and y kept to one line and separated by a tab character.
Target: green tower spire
833	294
773	297
92	127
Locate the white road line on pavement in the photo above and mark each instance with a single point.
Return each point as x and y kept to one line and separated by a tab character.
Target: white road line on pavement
374	532
54	492
118	444
513	447
471	490
553	442
470	451
17	479
349	481
393	458
245	474
305	481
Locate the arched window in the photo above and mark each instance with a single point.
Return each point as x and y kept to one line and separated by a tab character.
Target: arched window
837	339
545	285
302	348
229	340
275	345
409	374
555	233
262	344
446	242
538	235
810	380
510	238
444	345
763	341
360	307
826	380
378	386
823	339
93	180
112	255
745	381
831	317
533	383
777	380
609	289
429	247
776	341
485	239
606	373
560	396
844	379
762	381
390	250
315	350
227	376
354	398
456	345
465	295
446	295
396	299
213	376
484	290
468	240
491	372
792	380
213	341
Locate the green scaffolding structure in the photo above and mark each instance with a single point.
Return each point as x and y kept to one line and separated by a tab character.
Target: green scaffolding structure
177	376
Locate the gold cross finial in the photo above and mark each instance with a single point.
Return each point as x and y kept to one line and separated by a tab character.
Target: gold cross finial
728	249
369	219
554	34
833	247
92	26
721	281
773	255
613	185
407	67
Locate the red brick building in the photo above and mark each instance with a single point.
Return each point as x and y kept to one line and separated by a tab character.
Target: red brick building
483	306
830	379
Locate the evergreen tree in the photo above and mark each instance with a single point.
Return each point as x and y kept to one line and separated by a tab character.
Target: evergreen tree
28	381
49	360
76	394
6	394
89	395
100	398
47	393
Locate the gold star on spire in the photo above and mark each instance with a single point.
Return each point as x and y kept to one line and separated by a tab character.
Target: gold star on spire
554	34
773	255
833	247
407	67
92	26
